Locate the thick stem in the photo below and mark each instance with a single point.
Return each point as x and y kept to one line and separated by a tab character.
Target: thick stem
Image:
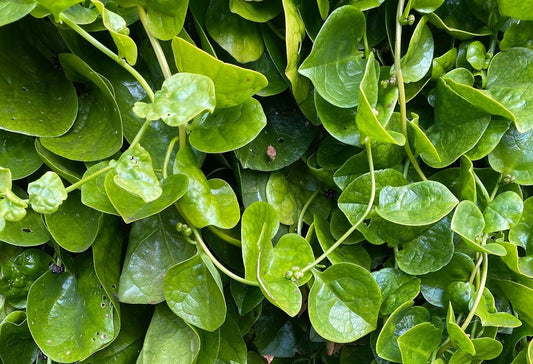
304	209
84	180
365	214
401	88
110	54
163	64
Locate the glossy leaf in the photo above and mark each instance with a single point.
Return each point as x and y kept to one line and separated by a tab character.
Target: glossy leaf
233	84
458	337
503	212
261	11
93	193
420	203
193	291
55	7
512	156
30	231
520	297
228	129
181	98
344	302
47	193
427	6
36	99
17	152
239	37
342	65
418	343
418	59
65	313
516	9
206	202
13	11
169	337
16	343
396	288
489	316
522	233
153	242
74	226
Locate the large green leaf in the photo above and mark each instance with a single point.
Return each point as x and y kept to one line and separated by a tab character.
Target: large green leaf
503	212
206	202
513	156
35	98
74	226
17	152
419	203
153	242
57	6
396	288
182	97
193	291
418	59
67	315
522	233
16	343
72	171
259	225
403	319
133	208
233	84
258	11
228	129
93	193
520	297
489	315
11	11
30	231
239	37
509	80
516	9
335	65
418	343
168	339
339	122
344	302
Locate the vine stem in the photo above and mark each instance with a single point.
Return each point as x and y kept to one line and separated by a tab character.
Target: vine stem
82	181
479	293
215	261
365	214
110	54
401	88
163	64
224	236
167	156
304	209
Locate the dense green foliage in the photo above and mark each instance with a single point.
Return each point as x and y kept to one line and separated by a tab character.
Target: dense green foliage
231	181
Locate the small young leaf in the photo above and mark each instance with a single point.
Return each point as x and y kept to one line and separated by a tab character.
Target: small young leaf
47	193
503	212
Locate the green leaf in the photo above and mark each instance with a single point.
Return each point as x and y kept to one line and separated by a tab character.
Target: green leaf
427	6
355	198
520	297
232	348
169	338
65	168
418	343
30	231
486	349
422	142
490	139
281	196
417	61
153	242
182	97
475	55
116	25
335	57
287	131
135	174
259	225
459	339
509	79
516	9
65	313
517	35
74	226
47	193
522	265
419	203
93	193
57	6
512	156
238	36
428	252
404	318
133	208
12	208
457	20
521	234
228	129
17	153
16	343
339	122
246	297
489	315
344	302
260	12
193	291
233	84
12	11
503	212
396	288
53	103
206	202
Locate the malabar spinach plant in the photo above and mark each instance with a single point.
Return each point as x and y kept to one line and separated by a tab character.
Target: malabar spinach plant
232	181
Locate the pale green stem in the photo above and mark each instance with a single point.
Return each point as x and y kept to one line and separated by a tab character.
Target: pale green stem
167	156
110	54
225	237
496	188
163	64
140	133
479	293
304	209
365	214
482	187
401	88
84	180
219	265
475	270
367	48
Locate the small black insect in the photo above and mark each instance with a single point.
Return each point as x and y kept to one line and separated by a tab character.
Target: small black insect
330	194
57	269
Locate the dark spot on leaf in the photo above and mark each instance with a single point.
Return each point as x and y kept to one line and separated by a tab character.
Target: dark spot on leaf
26	230
330	194
23	88
102	304
57	269
281	140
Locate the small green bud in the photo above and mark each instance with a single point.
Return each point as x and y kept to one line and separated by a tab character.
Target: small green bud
187	231
411	19
289	274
